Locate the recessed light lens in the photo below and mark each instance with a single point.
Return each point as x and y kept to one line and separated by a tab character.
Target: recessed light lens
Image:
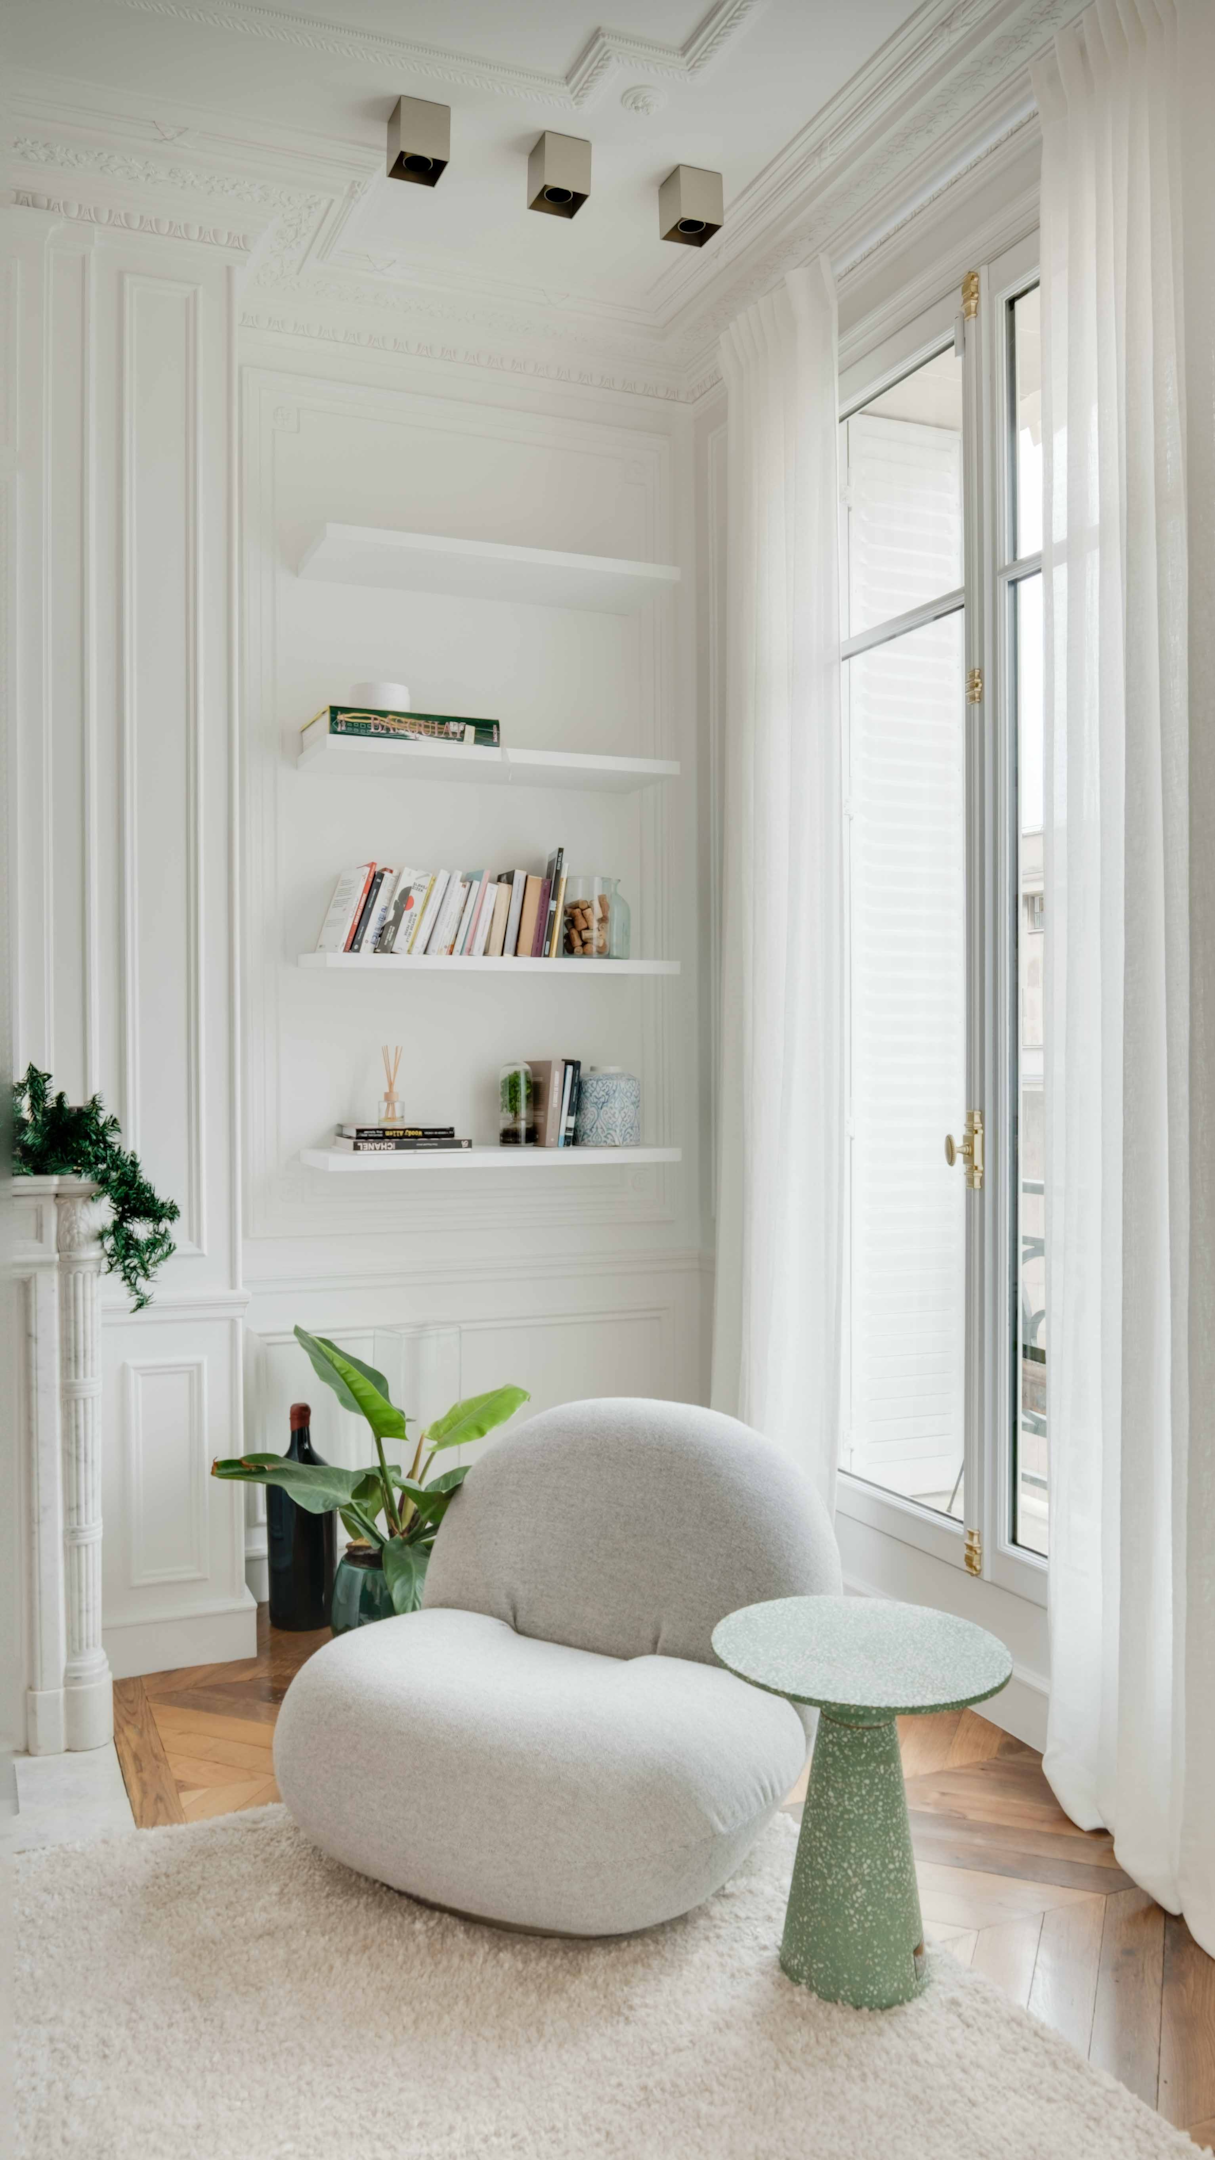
691	224
558	194
418	164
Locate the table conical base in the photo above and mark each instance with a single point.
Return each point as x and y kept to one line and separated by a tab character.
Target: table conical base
853	1931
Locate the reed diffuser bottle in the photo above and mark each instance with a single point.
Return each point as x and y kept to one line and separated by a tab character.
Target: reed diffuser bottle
301	1546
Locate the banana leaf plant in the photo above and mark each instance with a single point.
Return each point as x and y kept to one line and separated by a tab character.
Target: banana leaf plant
398	1511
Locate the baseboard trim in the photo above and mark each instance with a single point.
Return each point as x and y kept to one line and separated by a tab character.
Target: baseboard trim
1019	1709
215	1637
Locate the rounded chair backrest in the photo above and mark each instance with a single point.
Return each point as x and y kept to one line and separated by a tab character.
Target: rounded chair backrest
628	1527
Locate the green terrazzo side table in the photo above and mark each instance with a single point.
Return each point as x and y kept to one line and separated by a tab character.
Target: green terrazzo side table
853	1931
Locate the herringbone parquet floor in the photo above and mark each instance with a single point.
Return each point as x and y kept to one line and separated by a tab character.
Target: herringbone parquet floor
1007	1883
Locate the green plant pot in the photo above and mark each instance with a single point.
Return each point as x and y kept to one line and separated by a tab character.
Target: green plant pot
360	1590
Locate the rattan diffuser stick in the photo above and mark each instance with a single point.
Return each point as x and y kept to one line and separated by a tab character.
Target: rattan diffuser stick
392	1065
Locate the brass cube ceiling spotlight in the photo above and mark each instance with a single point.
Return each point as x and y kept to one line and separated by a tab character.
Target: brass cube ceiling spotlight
559	175
690	205
419	141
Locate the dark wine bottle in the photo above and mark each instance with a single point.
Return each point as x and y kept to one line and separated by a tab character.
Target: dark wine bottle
301	1546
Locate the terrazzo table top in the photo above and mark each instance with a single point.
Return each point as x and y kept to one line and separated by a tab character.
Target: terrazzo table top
862	1658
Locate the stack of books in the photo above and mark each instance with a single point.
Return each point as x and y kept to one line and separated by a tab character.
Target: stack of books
398	727
396	1139
556	1087
501	914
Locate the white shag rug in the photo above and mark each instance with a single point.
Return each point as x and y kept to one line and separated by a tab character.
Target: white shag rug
223	1992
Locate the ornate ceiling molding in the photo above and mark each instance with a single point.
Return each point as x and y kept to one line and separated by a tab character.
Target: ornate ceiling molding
936	99
604	53
944	105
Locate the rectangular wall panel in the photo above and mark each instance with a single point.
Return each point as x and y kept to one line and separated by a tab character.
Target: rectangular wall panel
167	1470
67	528
162	805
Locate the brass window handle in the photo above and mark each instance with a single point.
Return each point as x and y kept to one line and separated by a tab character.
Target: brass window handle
968	1150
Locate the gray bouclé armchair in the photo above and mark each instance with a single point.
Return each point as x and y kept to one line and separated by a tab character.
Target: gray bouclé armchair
550	1743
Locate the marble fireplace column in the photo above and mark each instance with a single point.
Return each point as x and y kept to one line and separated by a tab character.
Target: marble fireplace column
88	1686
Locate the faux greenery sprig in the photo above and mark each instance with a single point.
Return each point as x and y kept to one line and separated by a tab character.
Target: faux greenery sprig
55	1138
411	1508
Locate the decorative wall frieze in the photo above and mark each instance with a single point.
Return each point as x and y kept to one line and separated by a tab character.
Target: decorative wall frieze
131	170
278	322
134	221
605	52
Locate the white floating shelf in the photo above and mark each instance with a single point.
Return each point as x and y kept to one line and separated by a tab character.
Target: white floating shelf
482	569
460	965
376	757
483	1158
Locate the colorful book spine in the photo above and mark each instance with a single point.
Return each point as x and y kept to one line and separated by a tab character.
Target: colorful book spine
541	930
553	878
428	920
571	1102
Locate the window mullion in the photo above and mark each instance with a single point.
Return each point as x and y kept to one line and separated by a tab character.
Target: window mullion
977	555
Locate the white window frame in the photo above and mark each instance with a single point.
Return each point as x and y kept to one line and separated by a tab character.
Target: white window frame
991	1274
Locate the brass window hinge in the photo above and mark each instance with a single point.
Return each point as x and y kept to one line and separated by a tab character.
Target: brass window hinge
970	294
969	1150
974	686
974	1552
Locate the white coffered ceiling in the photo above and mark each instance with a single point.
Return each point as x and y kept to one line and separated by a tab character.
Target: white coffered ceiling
794	101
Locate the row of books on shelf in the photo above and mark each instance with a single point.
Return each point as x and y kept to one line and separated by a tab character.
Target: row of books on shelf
498	914
544	1113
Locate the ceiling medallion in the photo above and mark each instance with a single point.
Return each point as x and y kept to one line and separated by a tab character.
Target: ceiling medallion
643	99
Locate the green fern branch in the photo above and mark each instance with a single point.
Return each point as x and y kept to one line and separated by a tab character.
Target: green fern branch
55	1138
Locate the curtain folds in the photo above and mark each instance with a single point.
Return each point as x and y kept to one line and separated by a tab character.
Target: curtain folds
776	1344
1130	1105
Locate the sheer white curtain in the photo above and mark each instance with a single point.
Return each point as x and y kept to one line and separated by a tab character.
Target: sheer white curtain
776	1356
1129	1099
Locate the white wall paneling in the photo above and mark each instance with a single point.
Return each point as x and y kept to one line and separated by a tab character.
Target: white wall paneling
122	445
162	601
174	1550
617	1335
565	1328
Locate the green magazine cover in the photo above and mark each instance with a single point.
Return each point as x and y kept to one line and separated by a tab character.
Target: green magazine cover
403	727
